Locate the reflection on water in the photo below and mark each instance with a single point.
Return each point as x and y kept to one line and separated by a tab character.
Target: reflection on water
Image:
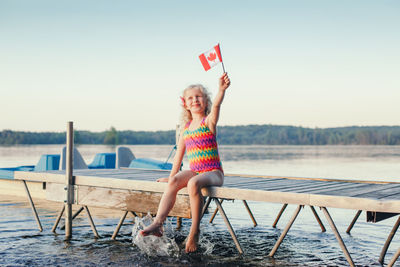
22	244
305	245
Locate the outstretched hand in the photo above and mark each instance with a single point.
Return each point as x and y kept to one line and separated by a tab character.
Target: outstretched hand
162	180
224	82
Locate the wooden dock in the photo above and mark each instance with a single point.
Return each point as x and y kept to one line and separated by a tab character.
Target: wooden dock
136	191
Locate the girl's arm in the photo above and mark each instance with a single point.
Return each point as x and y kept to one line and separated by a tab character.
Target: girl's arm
213	117
180	152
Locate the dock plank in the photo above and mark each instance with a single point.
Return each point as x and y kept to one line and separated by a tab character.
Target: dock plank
363	195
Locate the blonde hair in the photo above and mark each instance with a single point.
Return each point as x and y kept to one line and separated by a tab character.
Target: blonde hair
186	115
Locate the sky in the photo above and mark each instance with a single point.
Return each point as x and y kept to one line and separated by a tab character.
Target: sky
125	63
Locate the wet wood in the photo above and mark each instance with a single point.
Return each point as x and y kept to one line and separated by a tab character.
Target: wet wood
129	200
394	259
338	237
62	227
60	214
32	206
285	231
215	212
389	240
318	219
279	215
228	225
121	221
353	221
92	225
250	213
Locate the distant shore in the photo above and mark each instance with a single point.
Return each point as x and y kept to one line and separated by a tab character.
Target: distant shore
227	135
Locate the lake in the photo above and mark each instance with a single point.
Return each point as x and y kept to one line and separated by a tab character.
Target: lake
305	245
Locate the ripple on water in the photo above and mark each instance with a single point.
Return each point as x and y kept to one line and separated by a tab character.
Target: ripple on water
22	244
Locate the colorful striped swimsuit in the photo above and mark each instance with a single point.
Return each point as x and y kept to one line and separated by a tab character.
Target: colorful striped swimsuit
201	148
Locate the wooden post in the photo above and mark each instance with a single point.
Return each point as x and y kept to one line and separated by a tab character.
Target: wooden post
91	222
353	221
32	206
215	212
286	230
58	219
279	215
389	240
228	224
394	259
62	227
250	213
205	207
338	237
68	180
318	219
121	221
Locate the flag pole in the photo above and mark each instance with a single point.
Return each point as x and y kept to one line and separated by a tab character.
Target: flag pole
222	62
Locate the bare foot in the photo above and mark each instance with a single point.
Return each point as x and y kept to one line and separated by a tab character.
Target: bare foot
153	229
163	180
191	243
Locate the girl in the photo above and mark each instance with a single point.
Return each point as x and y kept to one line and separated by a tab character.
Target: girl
198	138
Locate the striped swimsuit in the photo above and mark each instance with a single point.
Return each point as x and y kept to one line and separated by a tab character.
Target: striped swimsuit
201	149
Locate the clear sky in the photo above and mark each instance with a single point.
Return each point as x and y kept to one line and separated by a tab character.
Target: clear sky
125	63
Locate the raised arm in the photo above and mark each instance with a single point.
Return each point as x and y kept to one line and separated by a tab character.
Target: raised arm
213	117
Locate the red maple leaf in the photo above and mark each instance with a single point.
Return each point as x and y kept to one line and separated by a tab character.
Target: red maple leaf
212	56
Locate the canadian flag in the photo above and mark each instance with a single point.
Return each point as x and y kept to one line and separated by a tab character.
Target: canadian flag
211	58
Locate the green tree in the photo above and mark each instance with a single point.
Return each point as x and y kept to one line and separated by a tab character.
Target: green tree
111	137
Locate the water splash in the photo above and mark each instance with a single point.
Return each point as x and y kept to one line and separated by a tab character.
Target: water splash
165	245
153	245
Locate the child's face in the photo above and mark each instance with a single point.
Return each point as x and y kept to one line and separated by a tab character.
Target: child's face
195	101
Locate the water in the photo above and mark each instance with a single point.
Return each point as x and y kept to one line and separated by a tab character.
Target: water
22	244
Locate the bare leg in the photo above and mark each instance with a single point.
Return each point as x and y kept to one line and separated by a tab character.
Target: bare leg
213	178
167	202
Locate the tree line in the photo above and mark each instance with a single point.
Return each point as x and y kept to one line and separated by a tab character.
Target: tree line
227	135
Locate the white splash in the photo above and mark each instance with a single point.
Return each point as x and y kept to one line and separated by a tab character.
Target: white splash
153	245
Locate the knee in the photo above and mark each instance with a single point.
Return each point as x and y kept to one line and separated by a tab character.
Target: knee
193	187
173	182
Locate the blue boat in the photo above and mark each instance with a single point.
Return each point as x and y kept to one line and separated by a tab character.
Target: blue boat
123	158
46	162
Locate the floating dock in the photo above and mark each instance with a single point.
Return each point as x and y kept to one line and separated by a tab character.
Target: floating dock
136	190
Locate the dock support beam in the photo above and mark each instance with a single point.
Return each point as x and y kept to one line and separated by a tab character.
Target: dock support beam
338	237
279	215
250	213
318	219
389	240
121	221
394	259
215	212
68	180
245	205
58	219
62	227
285	231
228	224
33	206
91	222
313	211
353	221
